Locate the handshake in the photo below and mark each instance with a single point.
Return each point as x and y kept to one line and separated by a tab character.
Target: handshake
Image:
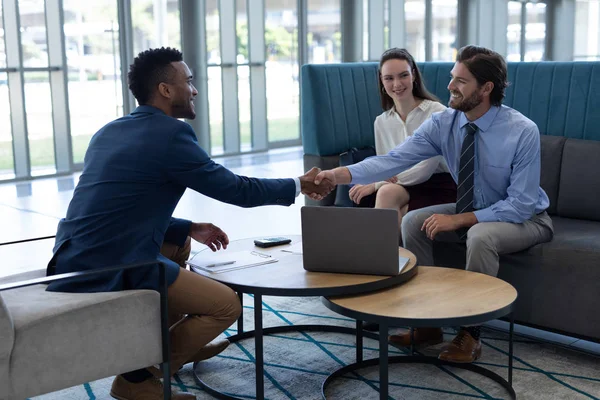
317	184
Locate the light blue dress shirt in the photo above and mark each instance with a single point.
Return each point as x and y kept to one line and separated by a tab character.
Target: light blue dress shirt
507	161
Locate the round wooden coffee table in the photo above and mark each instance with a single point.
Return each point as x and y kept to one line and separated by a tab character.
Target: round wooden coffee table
435	297
287	277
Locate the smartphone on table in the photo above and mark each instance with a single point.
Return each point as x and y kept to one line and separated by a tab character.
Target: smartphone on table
272	241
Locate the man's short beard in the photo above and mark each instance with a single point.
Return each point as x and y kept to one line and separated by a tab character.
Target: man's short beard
469	103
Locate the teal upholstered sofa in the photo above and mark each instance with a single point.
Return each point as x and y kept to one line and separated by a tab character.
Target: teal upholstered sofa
558	282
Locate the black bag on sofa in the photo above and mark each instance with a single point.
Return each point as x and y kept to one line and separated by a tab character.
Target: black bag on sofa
352	156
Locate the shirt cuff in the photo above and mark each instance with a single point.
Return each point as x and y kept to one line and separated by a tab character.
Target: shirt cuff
485	215
297	182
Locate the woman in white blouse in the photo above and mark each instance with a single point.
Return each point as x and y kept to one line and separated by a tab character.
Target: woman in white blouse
407	104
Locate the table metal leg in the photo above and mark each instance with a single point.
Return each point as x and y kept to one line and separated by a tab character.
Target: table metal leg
359	341
383	361
510	348
412	341
240	321
258	350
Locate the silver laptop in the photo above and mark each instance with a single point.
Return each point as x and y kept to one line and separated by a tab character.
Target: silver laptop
351	240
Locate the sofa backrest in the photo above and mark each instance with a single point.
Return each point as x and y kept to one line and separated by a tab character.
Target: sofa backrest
579	180
7	340
339	102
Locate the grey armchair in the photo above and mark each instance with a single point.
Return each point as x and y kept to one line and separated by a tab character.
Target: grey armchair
50	341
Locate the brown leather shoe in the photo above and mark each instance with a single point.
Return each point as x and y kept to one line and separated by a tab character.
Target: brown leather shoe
150	389
210	350
422	337
463	349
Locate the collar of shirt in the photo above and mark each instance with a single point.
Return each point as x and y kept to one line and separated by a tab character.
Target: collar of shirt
147	109
483	122
423	106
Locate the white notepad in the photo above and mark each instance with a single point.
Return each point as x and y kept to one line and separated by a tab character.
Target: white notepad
221	262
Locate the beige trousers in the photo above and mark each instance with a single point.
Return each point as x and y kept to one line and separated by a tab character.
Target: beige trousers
200	309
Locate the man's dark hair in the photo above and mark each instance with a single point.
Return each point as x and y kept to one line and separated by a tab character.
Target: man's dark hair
419	90
149	69
486	66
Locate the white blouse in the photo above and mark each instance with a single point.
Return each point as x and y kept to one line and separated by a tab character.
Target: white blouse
390	131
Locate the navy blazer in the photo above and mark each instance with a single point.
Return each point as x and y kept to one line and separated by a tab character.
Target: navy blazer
135	171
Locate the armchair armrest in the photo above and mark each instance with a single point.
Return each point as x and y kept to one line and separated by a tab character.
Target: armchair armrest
162	289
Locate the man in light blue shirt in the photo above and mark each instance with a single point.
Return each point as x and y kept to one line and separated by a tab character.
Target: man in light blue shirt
493	153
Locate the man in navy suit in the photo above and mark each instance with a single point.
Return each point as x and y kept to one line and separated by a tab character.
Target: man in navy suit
135	171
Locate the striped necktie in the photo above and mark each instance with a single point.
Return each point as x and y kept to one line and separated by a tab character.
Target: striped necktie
464	191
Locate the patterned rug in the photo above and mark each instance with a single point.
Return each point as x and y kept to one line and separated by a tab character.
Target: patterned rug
296	364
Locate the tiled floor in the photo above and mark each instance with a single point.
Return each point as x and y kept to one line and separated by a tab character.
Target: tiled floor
33	209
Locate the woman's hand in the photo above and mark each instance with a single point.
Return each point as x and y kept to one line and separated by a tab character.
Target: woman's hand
210	235
357	192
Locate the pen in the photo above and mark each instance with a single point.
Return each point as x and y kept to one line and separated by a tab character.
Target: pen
220	264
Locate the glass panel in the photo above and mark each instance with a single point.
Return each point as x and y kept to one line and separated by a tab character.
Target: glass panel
213	36
243	76
513	31
215	91
6	149
444	30
414	10
215	110
587	32
40	132
155	24
2	47
535	32
365	21
33	33
6	146
324	36
92	46
386	25
281	41
241	26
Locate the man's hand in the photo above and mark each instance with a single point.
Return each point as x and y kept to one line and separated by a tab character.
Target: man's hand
327	175
393	179
210	235
310	188
443	223
357	192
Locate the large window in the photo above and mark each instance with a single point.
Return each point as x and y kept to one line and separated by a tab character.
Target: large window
587	30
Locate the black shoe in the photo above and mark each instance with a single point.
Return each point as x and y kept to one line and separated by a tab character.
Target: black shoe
370	326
